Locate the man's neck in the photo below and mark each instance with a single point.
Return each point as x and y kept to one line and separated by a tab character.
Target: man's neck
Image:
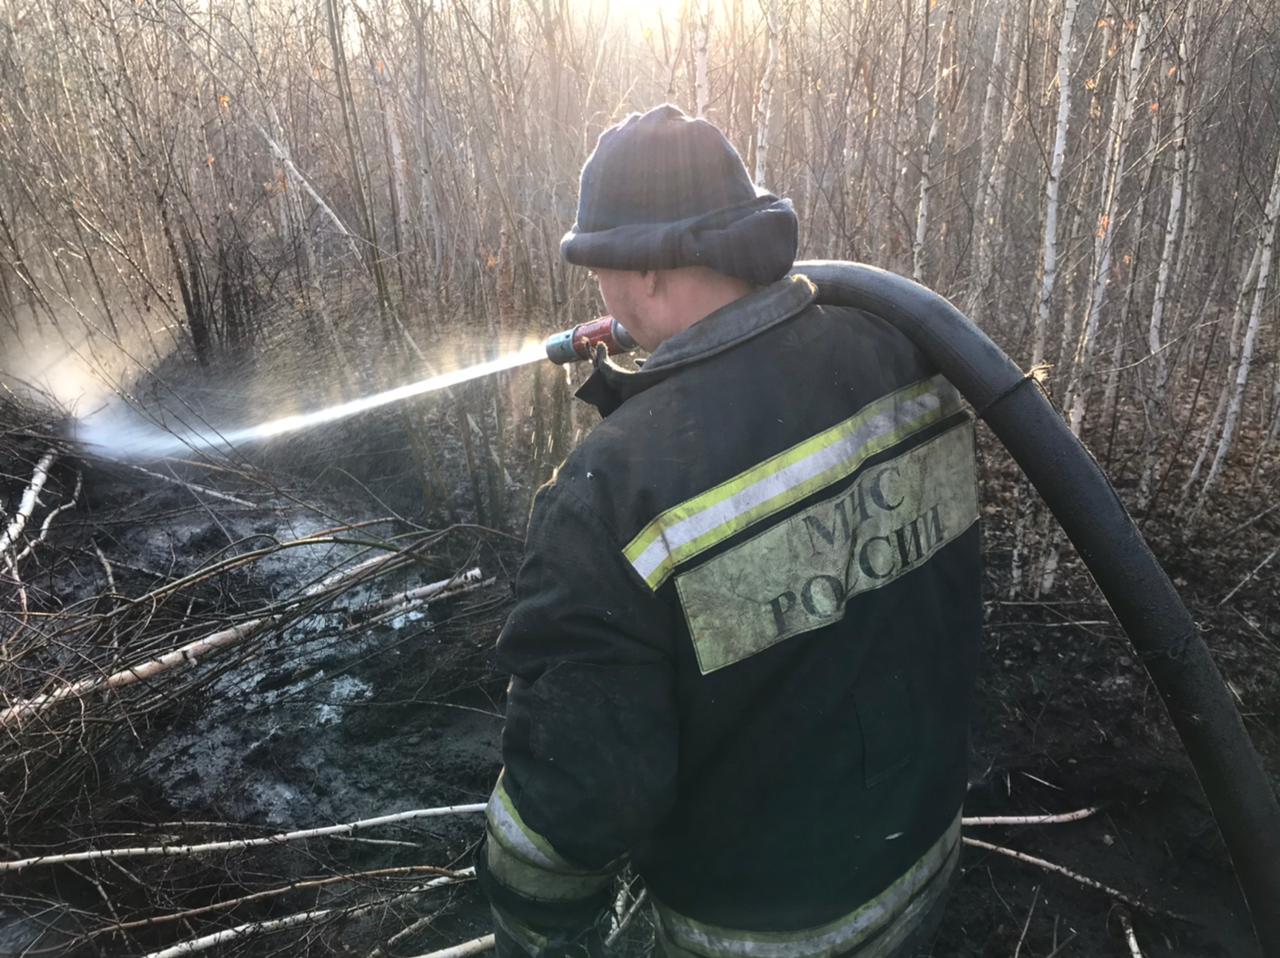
697	293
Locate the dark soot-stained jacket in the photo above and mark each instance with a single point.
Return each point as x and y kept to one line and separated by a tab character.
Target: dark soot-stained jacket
744	646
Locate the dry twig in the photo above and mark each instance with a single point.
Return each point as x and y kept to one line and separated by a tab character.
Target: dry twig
152	921
251	928
1074	876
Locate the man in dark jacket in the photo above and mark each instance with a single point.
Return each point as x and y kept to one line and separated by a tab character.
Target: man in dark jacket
744	642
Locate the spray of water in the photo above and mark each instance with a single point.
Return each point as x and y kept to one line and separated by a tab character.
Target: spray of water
118	434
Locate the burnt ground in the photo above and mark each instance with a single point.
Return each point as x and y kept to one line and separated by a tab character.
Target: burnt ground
407	715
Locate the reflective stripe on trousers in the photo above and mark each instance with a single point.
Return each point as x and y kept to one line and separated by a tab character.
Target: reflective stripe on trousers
875	930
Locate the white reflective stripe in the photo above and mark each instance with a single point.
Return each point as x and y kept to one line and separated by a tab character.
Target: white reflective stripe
905	901
509	829
846	451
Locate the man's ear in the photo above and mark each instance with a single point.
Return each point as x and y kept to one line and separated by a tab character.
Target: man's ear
652	279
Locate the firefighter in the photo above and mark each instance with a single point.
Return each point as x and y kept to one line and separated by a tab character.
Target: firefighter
743	648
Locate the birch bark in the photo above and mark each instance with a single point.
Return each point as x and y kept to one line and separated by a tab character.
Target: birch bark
1266	246
987	213
764	105
1121	117
1247	282
1049	244
1155	329
701	36
930	144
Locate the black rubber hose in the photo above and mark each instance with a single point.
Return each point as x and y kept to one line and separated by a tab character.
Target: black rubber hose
1144	600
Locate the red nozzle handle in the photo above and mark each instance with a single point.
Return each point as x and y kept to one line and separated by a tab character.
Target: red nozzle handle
581	341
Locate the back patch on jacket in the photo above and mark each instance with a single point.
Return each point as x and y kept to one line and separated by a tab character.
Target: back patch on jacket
798	575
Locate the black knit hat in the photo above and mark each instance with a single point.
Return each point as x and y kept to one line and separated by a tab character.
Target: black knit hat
662	190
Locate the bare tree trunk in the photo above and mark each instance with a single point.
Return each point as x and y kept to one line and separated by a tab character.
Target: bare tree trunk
1156	399
764	105
926	156
1049	245
701	36
1247	282
1155	330
1266	245
988	212
1126	99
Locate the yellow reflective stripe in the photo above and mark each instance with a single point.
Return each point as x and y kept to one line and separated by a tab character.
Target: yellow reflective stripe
510	829
538	883
525	862
711	517
873	930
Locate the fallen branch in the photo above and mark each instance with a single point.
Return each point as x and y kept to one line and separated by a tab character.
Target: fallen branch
1256	569
1027	924
626	918
195	488
12	565
1055	819
475	946
397	610
189	654
301	918
1074	876
427	591
28	502
48	520
170	851
1130	939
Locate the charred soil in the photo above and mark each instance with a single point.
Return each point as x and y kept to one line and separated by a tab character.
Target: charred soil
344	715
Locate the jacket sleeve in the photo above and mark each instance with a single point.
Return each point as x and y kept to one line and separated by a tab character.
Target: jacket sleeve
590	742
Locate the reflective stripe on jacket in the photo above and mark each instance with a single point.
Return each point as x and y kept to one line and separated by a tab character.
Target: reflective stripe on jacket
744	643
876	929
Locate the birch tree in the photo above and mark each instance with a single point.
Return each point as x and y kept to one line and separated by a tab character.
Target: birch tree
1155	395
764	106
1240	379
701	37
1126	99
992	175
1049	243
935	101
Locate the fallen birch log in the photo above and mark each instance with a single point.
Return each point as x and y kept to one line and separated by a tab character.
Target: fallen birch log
302	918
413	604
27	504
475	946
426	591
153	851
189	654
23	709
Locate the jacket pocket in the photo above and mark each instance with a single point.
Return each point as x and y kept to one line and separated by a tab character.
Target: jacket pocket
886	719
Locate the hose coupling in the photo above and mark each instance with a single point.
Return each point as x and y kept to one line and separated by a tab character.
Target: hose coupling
579	343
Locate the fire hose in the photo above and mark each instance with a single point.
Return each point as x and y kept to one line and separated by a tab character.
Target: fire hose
1144	600
1084	502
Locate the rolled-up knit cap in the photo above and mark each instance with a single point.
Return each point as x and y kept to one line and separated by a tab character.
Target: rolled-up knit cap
663	190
